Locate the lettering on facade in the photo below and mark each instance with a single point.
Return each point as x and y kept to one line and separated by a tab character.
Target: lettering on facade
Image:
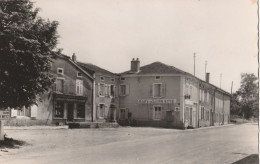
157	101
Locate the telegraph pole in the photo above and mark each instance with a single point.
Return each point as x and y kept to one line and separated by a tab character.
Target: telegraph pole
206	62
231	87
194	62
220	80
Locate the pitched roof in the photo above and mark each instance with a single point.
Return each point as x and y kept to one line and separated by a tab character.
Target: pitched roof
76	65
91	68
157	68
161	68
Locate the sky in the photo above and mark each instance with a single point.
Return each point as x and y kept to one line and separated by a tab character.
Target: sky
109	33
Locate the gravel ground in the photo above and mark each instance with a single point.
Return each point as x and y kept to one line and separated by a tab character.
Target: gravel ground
132	145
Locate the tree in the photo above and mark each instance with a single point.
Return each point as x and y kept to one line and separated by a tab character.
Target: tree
245	100
27	45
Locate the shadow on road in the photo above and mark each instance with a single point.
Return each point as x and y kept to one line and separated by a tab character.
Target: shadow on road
251	159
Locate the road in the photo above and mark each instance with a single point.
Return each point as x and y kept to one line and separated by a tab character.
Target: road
134	145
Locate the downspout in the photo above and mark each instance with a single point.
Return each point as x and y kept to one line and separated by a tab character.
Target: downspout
93	99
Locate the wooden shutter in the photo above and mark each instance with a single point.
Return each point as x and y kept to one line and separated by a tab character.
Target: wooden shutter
116	91
151	91
97	89
127	89
163	90
151	113
120	92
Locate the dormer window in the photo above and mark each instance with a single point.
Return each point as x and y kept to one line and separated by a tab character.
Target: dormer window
79	74
157	77
102	78
60	71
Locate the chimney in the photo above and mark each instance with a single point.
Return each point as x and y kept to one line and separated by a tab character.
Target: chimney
135	65
74	58
207	77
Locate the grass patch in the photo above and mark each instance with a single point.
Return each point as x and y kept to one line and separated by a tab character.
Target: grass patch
11	143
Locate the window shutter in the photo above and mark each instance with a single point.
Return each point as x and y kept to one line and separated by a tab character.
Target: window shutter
120	90
151	113
163	90
98	89
127	89
116	91
151	91
163	113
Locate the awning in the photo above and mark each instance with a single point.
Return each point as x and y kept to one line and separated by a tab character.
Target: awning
71	98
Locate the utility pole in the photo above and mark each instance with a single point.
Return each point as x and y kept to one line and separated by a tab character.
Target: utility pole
194	62
206	62
231	87
220	80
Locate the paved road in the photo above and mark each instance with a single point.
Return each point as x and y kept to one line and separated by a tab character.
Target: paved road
134	145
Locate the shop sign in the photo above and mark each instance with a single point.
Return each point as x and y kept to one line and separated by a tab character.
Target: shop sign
188	102
4	114
157	101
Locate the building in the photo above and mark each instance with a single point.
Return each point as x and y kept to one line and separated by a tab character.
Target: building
163	96
71	96
105	104
156	95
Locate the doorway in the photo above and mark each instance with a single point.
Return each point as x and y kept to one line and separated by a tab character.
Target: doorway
70	112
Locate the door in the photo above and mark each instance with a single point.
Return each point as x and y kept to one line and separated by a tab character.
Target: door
191	116
70	112
122	114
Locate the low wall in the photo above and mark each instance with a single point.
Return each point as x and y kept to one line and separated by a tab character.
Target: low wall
26	122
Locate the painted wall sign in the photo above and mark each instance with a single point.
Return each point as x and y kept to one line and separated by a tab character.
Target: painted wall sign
157	101
188	102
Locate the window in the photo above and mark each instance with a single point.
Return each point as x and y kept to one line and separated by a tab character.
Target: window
59	108
101	89
112	80
157	112
102	78
122	79
60	71
157	90
101	111
81	110
79	87
122	89
79	74
59	85
157	77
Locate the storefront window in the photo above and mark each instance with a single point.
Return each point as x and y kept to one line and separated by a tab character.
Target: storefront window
59	109
81	111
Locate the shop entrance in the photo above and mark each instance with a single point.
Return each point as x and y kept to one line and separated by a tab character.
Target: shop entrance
70	112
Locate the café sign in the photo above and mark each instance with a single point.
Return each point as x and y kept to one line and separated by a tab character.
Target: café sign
156	101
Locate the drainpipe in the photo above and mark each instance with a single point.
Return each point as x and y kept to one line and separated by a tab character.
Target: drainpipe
93	99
